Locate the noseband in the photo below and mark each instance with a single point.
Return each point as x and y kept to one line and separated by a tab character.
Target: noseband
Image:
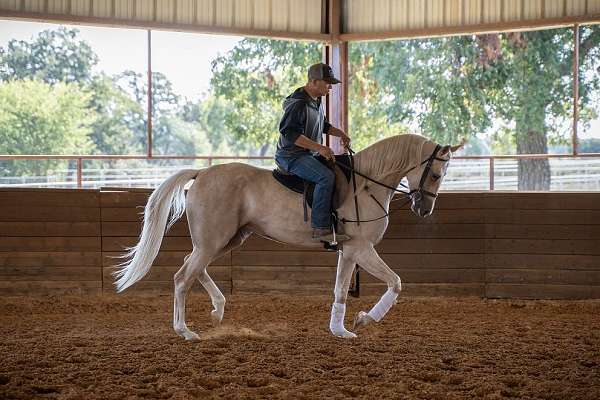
417	194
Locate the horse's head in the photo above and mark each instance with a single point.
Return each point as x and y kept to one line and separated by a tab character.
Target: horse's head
424	181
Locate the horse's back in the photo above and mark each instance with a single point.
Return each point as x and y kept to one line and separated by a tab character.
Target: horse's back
233	181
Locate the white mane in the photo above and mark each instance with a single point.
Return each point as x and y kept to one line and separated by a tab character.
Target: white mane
396	153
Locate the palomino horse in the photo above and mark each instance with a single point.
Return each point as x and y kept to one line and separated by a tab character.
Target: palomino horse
229	202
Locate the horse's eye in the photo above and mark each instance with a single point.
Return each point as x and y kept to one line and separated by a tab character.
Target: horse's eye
435	177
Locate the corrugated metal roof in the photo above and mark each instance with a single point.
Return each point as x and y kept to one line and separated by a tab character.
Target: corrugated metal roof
302	18
371	16
291	16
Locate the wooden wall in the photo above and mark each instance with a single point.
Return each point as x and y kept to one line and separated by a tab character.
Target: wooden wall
486	244
50	241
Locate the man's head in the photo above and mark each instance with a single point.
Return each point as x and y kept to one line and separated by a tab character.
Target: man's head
320	79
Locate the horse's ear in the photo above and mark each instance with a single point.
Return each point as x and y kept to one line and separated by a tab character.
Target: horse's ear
459	146
444	150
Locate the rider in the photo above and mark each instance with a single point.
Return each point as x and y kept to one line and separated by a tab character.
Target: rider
302	127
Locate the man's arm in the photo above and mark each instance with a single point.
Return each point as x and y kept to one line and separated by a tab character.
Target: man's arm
306	143
333	131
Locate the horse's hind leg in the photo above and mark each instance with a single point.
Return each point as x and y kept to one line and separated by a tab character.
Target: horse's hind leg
216	297
193	265
370	261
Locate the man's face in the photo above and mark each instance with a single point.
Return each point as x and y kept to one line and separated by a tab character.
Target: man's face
322	87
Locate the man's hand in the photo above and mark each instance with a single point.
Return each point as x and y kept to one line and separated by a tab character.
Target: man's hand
326	152
345	140
342	135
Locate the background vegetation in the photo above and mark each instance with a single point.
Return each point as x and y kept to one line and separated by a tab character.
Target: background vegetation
507	93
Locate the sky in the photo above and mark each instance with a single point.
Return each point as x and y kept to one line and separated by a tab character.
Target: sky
185	58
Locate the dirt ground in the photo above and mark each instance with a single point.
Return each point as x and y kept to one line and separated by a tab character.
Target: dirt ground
272	347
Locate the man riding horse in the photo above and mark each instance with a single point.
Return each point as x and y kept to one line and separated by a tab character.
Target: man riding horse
302	127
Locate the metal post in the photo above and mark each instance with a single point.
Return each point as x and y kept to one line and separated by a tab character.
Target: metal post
491	173
79	173
149	93
575	85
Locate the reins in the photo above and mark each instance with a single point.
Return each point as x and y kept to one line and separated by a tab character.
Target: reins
407	194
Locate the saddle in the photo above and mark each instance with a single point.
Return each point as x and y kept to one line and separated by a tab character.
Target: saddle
299	185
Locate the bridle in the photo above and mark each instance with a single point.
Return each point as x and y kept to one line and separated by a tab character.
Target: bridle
415	194
420	191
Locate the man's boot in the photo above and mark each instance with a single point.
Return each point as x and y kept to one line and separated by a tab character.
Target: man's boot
326	235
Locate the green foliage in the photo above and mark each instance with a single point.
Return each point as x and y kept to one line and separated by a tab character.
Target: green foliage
53	56
428	83
254	78
36	118
119	127
518	86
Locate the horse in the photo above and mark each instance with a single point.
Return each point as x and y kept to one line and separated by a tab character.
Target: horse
227	203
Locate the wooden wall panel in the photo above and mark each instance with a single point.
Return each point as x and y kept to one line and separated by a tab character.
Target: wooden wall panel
488	244
50	241
542	245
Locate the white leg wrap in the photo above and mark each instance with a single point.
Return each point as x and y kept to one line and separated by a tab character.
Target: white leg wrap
383	305
336	324
338	312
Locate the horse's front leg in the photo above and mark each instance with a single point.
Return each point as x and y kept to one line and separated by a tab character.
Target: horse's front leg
345	268
370	261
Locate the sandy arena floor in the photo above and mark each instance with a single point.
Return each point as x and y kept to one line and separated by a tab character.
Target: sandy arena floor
275	347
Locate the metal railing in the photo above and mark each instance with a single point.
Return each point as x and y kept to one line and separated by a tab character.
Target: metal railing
507	173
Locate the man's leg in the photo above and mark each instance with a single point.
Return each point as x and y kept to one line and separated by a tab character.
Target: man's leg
309	168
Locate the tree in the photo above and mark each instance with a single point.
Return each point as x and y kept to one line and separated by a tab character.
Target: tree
170	136
116	129
36	118
254	78
53	56
57	56
460	86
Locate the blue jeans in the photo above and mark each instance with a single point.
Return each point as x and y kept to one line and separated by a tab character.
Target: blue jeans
309	168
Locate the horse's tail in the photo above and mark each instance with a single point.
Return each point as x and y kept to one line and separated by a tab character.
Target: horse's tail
168	198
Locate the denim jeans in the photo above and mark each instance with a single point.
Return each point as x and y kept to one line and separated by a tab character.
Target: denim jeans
309	168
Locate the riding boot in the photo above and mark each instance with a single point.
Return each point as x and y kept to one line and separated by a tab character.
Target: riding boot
326	235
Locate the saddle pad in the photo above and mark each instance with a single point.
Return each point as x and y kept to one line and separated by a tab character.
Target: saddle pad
296	184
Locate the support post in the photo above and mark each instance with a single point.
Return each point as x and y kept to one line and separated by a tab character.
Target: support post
575	87
149	127
335	54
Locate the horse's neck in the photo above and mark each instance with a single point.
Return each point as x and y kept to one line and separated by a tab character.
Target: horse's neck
385	166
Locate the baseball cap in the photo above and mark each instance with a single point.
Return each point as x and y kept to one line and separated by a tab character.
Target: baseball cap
323	72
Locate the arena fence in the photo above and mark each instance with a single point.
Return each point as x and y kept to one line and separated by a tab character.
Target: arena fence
486	244
569	172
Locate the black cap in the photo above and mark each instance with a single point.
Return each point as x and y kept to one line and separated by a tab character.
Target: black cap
323	72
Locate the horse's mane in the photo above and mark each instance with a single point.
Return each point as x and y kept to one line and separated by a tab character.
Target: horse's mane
396	153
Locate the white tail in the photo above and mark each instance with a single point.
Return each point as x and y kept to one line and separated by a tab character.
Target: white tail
168	198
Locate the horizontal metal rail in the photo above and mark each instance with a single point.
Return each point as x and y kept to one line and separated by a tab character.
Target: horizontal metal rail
79	159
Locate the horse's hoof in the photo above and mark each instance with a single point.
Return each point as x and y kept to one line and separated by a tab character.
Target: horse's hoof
361	319
187	334
216	318
345	334
191	336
